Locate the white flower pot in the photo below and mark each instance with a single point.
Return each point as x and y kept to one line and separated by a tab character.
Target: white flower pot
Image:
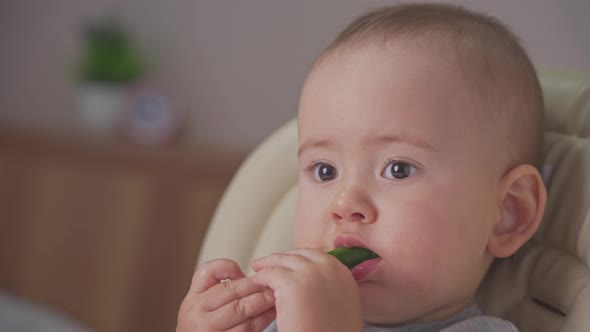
101	106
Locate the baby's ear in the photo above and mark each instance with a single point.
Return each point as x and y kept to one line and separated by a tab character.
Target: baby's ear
522	202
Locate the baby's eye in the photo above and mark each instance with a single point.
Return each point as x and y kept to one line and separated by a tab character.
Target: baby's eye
323	172
398	170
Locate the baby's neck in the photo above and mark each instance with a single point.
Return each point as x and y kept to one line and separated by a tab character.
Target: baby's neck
467	312
437	315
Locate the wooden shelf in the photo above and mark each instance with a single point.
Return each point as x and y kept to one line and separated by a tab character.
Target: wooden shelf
106	231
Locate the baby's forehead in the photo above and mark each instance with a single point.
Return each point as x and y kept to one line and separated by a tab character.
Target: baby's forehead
422	89
484	53
430	57
490	77
414	88
418	70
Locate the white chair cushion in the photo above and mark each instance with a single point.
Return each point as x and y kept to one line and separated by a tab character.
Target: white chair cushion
546	285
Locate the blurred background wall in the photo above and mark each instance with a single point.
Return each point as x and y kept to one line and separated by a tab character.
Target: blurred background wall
235	66
107	231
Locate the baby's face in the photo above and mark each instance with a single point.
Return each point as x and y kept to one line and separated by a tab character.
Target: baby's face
391	159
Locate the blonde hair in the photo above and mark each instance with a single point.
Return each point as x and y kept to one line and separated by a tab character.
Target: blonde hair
488	54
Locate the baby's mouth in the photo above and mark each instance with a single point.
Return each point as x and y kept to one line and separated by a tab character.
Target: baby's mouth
352	257
350	241
363	270
351	250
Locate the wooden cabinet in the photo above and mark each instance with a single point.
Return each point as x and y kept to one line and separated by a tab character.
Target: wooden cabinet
105	231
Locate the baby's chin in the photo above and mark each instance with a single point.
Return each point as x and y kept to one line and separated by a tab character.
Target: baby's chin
395	315
375	311
380	310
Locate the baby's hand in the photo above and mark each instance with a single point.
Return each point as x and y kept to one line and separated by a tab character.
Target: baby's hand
314	292
235	305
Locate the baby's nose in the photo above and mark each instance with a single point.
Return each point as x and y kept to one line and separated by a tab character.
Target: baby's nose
353	206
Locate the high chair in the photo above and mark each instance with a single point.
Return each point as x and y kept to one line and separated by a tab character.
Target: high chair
544	287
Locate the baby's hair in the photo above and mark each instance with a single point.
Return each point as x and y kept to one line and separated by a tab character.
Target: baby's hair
488	55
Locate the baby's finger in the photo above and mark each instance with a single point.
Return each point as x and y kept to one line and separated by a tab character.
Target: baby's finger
212	272
258	323
272	277
290	261
229	291
242	310
315	255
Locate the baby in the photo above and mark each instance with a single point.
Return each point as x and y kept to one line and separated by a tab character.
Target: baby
420	136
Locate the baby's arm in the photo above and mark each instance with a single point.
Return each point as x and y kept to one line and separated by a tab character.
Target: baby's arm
236	305
314	291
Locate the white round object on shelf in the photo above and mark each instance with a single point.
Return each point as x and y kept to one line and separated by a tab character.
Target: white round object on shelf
150	117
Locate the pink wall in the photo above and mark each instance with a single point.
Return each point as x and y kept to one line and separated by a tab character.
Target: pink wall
236	66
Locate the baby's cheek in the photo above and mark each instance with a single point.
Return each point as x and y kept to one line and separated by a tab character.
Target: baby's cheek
422	236
308	236
308	227
447	247
299	233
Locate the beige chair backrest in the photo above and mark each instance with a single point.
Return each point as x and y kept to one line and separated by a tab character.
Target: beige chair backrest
544	287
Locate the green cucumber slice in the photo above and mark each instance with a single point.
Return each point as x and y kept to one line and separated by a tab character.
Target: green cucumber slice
352	257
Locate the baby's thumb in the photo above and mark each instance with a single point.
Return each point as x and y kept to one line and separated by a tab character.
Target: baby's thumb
257	264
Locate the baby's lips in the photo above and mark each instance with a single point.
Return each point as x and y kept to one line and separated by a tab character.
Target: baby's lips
350	241
365	269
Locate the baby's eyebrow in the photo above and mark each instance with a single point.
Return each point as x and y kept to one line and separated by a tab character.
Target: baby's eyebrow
314	144
415	141
384	139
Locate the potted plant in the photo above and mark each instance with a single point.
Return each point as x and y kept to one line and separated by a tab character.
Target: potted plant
110	64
